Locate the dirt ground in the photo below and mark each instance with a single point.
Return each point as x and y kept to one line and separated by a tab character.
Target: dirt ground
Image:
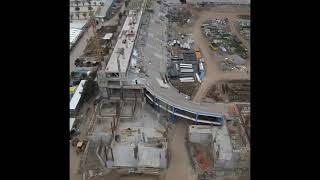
180	167
74	157
213	73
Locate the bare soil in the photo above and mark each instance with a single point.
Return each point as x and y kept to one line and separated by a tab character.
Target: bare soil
213	73
180	167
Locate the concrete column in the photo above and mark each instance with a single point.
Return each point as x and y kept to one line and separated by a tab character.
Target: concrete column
112	128
143	98
197	119
111	154
173	117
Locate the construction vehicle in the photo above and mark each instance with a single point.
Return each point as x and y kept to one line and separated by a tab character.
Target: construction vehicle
79	145
213	48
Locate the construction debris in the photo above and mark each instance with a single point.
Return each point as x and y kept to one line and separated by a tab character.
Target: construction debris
233	62
244	110
230	91
180	16
221	40
219	151
243	26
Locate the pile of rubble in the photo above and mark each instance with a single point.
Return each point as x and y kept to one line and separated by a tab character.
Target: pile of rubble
230	91
244	110
233	62
137	59
180	16
238	90
244	28
221	39
86	62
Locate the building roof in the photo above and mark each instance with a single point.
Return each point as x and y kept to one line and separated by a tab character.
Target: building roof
77	25
74	35
77	95
112	66
107	36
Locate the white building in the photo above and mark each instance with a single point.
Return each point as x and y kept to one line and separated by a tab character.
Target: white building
74	103
76	30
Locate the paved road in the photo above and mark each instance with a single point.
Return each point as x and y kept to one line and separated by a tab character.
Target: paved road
156	54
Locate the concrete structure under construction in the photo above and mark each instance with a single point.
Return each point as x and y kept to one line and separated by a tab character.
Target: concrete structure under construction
114	81
126	137
126	134
119	81
229	153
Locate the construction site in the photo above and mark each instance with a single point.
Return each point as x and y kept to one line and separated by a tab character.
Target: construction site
162	106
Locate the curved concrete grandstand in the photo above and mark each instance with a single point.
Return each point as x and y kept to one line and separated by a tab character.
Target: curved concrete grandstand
115	84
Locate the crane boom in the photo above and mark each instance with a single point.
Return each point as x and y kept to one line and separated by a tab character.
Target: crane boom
96	39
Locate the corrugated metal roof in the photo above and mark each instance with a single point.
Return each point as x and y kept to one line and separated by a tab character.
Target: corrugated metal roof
77	95
77	25
74	35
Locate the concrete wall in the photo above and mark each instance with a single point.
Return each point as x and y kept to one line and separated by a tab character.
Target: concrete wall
203	138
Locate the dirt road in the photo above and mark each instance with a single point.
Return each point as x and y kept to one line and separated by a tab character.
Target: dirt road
179	166
213	73
74	157
74	164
